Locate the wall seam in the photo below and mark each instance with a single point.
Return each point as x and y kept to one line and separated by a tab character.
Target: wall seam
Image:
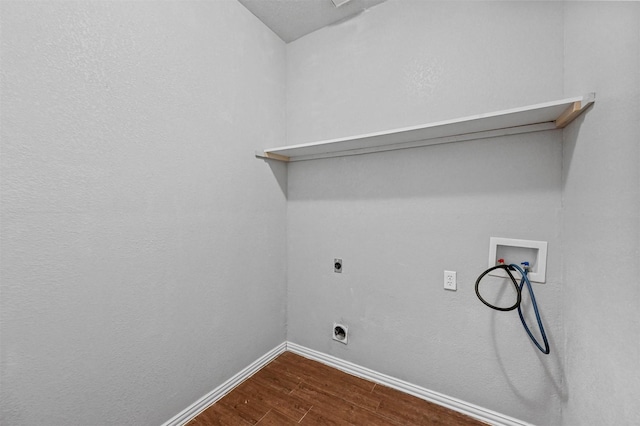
286	195
563	381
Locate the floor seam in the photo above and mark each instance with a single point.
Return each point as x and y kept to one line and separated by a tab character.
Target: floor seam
265	415
305	414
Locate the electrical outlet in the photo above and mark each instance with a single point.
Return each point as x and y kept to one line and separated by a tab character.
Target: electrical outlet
450	280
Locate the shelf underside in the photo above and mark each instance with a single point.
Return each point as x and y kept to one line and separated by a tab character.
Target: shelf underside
533	118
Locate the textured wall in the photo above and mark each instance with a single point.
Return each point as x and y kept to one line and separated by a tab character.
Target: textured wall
143	250
413	62
398	219
601	226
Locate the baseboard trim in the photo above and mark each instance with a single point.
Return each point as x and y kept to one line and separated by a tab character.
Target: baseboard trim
463	407
480	413
200	405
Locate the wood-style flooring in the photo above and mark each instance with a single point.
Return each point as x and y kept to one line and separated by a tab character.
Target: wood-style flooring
294	390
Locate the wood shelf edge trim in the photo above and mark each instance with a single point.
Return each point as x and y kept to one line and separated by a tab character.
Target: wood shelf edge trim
568	115
574	110
272	156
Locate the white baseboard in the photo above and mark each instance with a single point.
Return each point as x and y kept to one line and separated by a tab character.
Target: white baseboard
480	413
200	405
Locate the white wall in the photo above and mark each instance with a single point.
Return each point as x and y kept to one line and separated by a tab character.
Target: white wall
601	223
398	219
143	249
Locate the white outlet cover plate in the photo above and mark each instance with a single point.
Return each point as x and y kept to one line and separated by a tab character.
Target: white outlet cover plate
452	284
540	273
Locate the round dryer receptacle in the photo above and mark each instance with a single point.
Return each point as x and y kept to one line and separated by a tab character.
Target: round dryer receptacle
340	333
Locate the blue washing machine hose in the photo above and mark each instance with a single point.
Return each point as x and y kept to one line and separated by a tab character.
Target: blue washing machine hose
517	305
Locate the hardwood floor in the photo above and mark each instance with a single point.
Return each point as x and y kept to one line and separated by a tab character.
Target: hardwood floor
294	390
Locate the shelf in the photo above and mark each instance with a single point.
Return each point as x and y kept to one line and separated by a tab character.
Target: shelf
533	118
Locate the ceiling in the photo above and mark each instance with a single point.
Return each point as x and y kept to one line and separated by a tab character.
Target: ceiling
292	19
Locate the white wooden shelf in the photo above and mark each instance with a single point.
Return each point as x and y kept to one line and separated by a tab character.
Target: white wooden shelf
533	118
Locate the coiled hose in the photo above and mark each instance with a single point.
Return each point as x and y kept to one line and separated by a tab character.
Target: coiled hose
518	289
